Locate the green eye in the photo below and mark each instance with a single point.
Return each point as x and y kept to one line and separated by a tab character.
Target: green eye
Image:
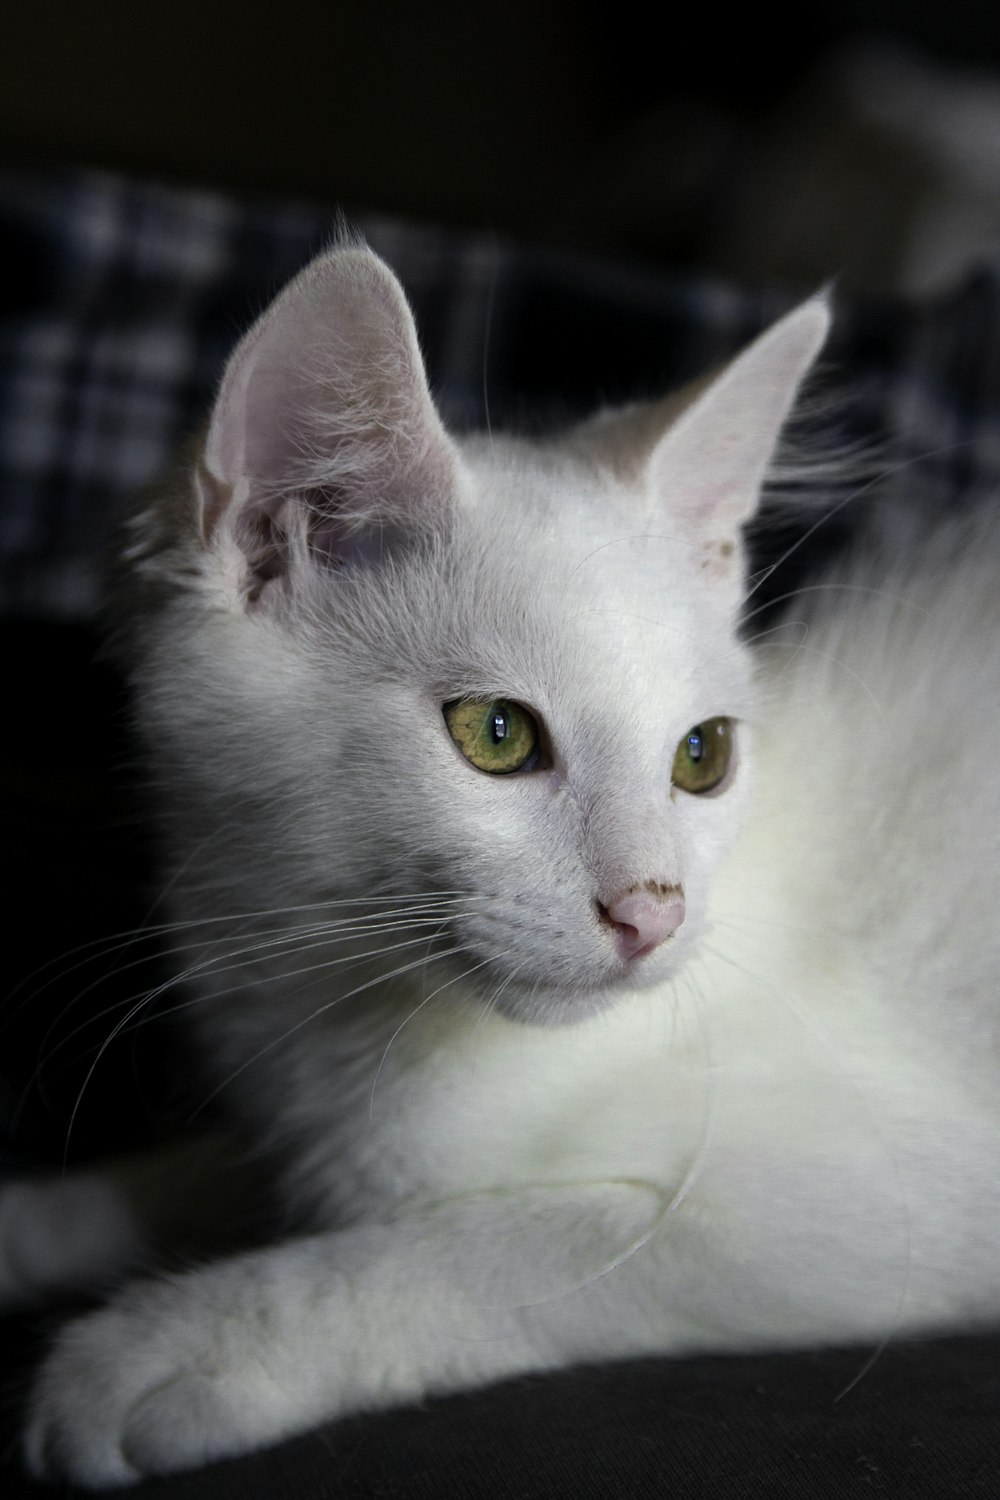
492	734
704	756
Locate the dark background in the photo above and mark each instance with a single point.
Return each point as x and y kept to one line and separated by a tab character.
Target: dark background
654	130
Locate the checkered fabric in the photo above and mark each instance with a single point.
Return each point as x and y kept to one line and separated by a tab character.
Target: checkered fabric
121	300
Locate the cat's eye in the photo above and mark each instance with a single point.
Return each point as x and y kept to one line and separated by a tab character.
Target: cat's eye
703	757
493	734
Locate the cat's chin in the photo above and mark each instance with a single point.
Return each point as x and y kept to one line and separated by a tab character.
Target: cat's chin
553	1004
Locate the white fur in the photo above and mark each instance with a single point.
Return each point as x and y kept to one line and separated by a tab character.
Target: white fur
779	1127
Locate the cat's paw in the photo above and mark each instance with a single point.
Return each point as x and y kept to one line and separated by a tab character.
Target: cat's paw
163	1379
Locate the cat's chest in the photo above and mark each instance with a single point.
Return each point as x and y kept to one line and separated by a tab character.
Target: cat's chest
743	1099
488	1107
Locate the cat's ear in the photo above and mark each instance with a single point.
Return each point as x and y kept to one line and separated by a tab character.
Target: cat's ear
709	465
324	443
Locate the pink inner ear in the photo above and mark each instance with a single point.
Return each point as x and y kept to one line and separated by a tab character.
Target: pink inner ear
342	545
710	465
325	406
214	498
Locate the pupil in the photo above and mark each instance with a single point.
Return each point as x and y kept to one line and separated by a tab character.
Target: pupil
695	747
499	728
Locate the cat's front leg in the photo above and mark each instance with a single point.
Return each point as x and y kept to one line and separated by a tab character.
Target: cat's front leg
248	1351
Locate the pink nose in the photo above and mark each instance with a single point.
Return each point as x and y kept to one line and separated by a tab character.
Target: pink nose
641	920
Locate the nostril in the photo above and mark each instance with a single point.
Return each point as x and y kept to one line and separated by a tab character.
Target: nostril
640	921
624	931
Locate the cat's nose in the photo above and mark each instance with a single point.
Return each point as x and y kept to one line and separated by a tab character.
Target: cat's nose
642	919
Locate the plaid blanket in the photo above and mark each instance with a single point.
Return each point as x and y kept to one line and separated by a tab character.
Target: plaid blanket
122	300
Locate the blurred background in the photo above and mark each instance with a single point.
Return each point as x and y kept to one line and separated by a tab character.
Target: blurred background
842	138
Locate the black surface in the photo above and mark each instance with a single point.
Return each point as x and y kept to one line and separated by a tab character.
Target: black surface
923	1420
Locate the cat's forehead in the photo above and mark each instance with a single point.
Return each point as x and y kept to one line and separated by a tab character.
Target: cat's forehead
557	585
555	514
571	535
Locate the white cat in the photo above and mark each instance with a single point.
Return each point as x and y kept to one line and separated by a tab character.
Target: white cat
566	1043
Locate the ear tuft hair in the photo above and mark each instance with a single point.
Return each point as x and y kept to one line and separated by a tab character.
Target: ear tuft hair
324	441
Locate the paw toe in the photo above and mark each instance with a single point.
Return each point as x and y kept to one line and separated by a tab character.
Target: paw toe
180	1423
53	1450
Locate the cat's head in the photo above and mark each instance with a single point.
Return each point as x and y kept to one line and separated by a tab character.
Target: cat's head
498	677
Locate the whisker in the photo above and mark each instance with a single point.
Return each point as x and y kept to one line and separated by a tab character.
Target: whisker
116	941
696	1165
420	906
147	999
345	963
832	587
494	999
221	963
455	979
379	979
830	656
884	473
844	1071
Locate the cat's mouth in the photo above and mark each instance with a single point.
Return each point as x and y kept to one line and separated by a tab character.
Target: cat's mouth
573	990
537	965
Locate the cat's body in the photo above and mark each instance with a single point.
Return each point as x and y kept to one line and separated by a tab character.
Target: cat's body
558	1064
